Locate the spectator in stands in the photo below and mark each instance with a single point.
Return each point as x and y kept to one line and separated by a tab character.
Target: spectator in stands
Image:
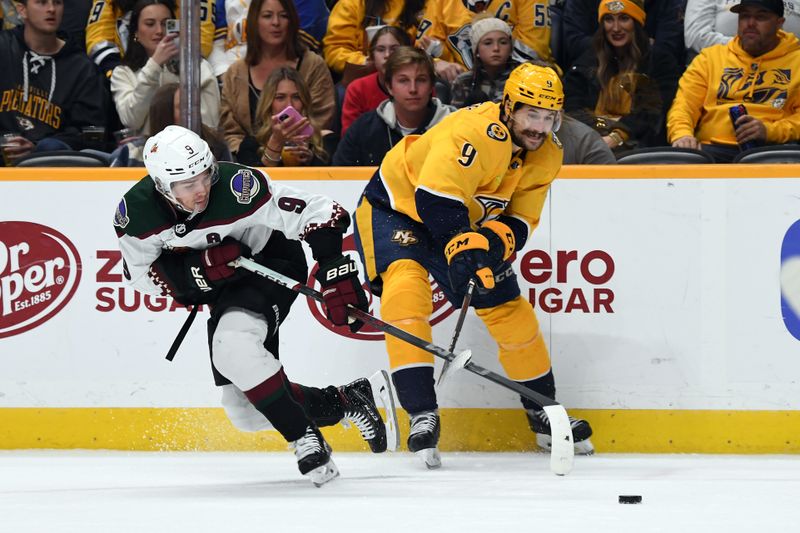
622	86
710	22
49	90
108	30
164	111
366	93
491	48
664	26
74	23
230	41
9	18
274	44
282	143
582	144
446	25
352	23
412	110
151	61
759	68
533	26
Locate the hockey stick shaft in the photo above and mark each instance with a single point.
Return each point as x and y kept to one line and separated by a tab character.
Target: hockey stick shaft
285	281
459	323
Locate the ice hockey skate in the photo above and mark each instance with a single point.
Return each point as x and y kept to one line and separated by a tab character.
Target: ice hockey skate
581	431
361	411
314	457
423	438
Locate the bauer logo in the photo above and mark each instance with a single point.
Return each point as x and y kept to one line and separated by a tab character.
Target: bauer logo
441	307
39	272
790	279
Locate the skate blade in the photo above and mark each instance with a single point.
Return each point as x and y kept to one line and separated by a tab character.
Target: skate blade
431	457
382	391
584	447
323	474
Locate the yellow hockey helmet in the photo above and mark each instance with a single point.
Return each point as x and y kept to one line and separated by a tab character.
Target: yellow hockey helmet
534	85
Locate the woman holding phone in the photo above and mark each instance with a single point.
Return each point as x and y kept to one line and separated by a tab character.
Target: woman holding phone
273	43
287	136
150	63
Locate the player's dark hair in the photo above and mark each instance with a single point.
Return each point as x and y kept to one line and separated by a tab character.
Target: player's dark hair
135	55
374	11
255	46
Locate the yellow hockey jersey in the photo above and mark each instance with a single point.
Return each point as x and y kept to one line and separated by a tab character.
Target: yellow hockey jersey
346	41
468	157
107	31
449	21
531	24
724	75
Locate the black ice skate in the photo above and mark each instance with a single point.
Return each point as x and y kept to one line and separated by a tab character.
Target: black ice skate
581	431
314	457
423	438
360	409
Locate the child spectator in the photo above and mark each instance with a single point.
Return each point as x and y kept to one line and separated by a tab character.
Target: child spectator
491	48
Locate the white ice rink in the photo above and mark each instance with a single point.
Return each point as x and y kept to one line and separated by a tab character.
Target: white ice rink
110	492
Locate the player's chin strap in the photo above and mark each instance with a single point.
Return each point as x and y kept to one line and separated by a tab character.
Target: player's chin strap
562	454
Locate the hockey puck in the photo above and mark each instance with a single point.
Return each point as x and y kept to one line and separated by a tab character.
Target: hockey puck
630	499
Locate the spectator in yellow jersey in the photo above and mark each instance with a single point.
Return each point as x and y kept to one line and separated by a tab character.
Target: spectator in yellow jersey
760	69
108	30
353	22
456	202
622	86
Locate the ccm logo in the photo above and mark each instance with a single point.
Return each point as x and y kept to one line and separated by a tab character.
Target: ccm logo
343	270
199	279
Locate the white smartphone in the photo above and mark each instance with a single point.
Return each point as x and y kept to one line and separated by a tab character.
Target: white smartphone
174	26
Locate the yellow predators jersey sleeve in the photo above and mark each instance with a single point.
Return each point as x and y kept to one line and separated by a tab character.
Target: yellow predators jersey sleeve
450	22
468	158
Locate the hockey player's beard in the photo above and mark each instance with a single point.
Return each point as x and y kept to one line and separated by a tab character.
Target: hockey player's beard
530	140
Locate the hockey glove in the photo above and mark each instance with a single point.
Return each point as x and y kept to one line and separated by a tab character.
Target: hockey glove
215	260
340	288
468	256
501	240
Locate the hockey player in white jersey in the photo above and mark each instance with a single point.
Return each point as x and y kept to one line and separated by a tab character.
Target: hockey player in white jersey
181	226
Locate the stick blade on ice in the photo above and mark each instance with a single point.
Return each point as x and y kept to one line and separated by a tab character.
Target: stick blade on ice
562	454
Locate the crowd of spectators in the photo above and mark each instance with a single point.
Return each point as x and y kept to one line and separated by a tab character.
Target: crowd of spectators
102	75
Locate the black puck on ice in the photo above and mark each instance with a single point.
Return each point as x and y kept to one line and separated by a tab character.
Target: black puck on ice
630	499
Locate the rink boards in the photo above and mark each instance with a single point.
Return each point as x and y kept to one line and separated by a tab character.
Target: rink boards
657	289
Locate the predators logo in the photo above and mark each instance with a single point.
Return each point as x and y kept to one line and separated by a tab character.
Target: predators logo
491	208
404	237
497	132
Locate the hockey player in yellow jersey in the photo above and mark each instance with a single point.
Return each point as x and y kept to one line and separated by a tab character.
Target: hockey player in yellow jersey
456	203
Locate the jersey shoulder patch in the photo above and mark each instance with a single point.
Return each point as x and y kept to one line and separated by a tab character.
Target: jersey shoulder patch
245	185
497	132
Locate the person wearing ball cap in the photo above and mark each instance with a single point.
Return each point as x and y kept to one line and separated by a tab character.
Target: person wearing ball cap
759	69
456	203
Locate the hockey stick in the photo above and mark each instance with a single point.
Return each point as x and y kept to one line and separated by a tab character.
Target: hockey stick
562	454
461	316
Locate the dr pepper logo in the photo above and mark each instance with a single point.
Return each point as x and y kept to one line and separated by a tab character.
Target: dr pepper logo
39	272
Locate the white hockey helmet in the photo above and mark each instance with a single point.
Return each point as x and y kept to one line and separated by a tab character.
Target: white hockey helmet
175	154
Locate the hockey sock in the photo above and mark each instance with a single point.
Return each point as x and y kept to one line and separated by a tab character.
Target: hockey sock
323	406
414	387
274	400
545	385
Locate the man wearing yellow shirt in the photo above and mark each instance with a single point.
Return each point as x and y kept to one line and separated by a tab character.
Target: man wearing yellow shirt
759	68
456	203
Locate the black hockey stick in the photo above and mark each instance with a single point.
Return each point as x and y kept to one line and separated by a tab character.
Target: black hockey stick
462	314
562	453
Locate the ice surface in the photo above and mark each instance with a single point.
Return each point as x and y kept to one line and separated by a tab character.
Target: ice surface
110	492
